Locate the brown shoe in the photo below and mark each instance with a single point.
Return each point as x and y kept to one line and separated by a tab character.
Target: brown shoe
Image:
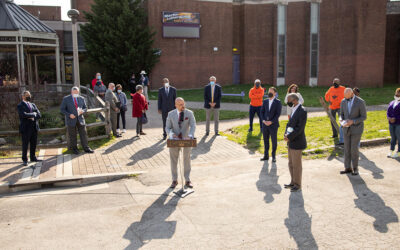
189	184
174	184
142	133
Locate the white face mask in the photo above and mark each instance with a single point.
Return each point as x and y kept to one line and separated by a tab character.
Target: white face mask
119	91
397	98
75	95
166	84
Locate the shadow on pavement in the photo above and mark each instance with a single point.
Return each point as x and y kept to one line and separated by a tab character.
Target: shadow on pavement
203	147
268	182
153	224
147	152
120	144
299	223
371	166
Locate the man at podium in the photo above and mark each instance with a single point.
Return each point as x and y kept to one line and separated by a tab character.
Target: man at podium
180	125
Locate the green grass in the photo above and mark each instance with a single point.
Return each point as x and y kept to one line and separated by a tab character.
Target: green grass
200	115
94	144
318	133
372	96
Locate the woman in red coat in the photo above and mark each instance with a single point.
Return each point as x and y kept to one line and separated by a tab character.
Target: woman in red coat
139	106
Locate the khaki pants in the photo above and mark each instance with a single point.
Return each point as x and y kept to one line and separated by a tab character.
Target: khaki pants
146	92
174	155
295	166
208	119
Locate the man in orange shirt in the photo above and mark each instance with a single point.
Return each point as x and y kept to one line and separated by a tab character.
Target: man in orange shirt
334	96
256	95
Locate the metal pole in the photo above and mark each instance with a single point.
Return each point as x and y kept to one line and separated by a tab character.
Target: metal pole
22	67
36	71
75	52
58	67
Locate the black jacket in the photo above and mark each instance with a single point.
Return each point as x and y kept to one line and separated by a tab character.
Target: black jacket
297	138
273	114
166	103
217	96
25	117
132	85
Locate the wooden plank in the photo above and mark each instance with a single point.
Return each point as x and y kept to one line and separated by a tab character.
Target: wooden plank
38	165
67	166
60	163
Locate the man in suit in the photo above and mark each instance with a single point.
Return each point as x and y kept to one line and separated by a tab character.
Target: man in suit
114	108
29	116
181	124
212	103
352	116
73	107
296	139
166	102
270	113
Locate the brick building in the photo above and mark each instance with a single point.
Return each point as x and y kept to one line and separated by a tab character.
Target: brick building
278	41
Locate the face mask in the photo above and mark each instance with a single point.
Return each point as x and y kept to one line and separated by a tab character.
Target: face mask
257	85
75	95
270	95
212	83
335	85
349	99
290	104
166	84
397	98
119	91
99	77
28	98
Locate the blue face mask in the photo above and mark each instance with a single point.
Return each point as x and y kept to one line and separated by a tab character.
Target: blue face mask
99	77
212	83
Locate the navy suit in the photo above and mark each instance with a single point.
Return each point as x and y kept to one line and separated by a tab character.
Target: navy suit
28	127
271	115
217	96
297	138
166	103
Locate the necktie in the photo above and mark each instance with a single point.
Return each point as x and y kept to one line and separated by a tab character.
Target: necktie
167	90
29	106
180	123
212	94
76	103
349	106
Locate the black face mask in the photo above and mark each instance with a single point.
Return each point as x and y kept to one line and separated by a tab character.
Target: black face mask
290	104
257	85
335	85
270	95
28	98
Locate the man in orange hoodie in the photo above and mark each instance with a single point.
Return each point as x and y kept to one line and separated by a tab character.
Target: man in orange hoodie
256	95
334	96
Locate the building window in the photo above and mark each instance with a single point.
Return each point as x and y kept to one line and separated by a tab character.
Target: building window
314	40
281	46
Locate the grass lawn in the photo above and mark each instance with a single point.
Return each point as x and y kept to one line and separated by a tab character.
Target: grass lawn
318	133
372	96
200	115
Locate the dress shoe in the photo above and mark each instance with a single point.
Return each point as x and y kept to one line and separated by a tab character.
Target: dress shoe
265	158
75	151
189	184
207	133
36	160
295	189
334	136
289	186
164	137
273	159
142	133
25	163
118	135
346	171
89	150
174	184
217	134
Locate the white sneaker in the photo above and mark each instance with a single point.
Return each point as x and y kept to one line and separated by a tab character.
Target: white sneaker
391	153
118	131
396	155
124	131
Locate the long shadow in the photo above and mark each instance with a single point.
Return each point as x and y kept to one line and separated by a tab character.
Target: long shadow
299	223
372	204
268	182
253	141
153	224
371	166
147	153
203	147
120	144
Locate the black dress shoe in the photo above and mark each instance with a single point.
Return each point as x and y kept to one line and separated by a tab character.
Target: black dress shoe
118	135
36	160
295	189
25	163
164	137
89	150
289	186
273	159
207	133
334	136
75	151
217	134
265	158
346	171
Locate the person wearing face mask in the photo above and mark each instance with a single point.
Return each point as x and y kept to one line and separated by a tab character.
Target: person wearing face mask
132	84
256	95
292	89
97	79
166	102
115	106
145	82
100	89
123	100
270	113
334	96
393	116
29	116
212	103
352	116
139	107
73	107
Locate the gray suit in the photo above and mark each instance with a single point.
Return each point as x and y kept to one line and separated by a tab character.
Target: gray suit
186	129
112	99
352	134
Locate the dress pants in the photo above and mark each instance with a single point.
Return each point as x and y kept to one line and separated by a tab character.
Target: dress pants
29	137
174	155
114	119
82	134
164	116
139	125
122	115
252	111
208	119
295	166
351	153
267	133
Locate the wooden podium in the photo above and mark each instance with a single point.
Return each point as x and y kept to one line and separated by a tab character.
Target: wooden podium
182	143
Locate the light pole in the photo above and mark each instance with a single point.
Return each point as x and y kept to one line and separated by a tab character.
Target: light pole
73	14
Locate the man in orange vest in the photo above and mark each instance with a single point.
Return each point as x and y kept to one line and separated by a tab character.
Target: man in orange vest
334	96
256	95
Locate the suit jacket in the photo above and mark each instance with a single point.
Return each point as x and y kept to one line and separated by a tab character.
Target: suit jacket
273	114
25	117
188	126
358	114
112	98
68	107
297	138
217	96
166	102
